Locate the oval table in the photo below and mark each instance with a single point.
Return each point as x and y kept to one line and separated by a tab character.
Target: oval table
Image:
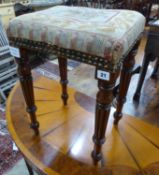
65	141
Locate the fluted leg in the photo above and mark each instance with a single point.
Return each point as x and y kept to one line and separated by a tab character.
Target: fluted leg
26	82
103	105
63	74
125	78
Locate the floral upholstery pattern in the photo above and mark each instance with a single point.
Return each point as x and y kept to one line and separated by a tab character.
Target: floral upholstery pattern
105	33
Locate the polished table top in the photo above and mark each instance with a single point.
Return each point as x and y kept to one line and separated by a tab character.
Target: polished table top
65	141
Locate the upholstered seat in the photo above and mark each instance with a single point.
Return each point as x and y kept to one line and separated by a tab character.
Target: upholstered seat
108	34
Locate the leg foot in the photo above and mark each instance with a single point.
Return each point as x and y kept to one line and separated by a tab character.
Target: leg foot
117	117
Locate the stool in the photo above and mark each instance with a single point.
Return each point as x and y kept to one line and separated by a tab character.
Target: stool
106	39
151	53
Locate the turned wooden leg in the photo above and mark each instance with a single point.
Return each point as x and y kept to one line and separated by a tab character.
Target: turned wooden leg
144	68
30	170
103	105
63	74
26	82
125	78
155	70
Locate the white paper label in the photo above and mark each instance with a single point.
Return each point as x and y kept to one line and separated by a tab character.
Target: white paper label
15	52
15	147
103	75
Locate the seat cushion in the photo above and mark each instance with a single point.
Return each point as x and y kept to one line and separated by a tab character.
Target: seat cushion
105	33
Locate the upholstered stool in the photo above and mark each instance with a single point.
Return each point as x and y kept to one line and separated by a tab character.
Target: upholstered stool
106	39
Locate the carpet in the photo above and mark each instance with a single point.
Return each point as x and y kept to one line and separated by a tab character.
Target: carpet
8	156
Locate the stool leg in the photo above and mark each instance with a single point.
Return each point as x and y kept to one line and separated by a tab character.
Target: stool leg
124	83
144	68
155	70
26	82
63	74
103	105
29	168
